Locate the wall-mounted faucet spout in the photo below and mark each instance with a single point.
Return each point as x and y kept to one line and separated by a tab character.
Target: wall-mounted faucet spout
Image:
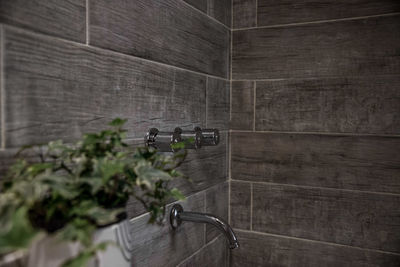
177	215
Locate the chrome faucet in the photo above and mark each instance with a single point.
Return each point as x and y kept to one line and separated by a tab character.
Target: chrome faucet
177	215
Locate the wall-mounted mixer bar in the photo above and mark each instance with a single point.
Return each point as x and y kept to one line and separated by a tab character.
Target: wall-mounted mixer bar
195	139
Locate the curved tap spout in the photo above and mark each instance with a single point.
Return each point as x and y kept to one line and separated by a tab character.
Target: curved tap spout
177	216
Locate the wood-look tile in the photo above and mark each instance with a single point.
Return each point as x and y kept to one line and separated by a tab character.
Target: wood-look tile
214	254
54	96
155	245
218	205
293	11
199	4
347	162
269	250
240	205
362	47
65	19
360	219
242	107
221	10
244	13
218	103
351	104
167	31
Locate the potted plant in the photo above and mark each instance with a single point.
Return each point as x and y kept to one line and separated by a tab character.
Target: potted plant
63	207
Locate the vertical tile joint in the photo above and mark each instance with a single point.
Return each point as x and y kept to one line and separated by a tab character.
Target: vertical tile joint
251	206
2	88
254	105
87	22
206	102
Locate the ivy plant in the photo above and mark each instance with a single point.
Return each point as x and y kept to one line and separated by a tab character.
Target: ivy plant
73	189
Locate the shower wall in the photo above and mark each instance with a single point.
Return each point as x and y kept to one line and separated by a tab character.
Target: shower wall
70	67
315	133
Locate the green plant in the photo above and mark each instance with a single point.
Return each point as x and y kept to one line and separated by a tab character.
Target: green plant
74	189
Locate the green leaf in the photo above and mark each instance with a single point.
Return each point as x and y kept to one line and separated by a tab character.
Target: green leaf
83	258
177	194
118	122
19	234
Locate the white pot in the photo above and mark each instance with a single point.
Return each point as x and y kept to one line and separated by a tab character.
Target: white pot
50	252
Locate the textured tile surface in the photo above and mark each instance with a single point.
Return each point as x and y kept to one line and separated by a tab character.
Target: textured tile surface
357	47
155	245
216	204
244	13
167	31
218	104
221	10
54	96
199	4
242	107
215	254
268	250
240	205
351	104
366	220
294	11
349	162
66	19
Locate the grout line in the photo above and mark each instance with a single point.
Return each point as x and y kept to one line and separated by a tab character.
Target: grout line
50	37
231	15
320	133
251	206
254	105
206	14
315	241
317	22
229	176
256	13
318	187
2	89
199	250
87	22
206	101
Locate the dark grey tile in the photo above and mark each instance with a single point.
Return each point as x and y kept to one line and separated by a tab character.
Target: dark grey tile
221	10
244	13
155	245
240	205
216	204
167	31
199	4
54	96
215	254
367	220
344	48
66	19
242	113
292	11
218	103
349	162
269	250
351	104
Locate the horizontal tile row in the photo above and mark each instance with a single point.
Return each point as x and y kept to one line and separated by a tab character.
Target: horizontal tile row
347	104
270	250
360	219
65	19
167	31
58	90
218	9
251	13
155	245
344	48
336	161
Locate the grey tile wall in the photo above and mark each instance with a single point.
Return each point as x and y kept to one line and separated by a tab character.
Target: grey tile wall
315	180
341	48
66	19
157	63
166	31
293	11
272	250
